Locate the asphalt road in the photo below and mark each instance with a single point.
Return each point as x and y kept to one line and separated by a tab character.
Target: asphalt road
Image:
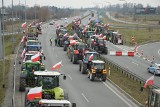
81	90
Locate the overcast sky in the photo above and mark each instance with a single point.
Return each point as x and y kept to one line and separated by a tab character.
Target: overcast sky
77	3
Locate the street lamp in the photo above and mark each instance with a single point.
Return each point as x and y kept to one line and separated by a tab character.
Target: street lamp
3	47
25	13
110	11
12	31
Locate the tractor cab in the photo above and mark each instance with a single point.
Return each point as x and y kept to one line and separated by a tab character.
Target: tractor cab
97	70
33	42
154	98
28	56
87	34
117	38
47	79
33	49
96	56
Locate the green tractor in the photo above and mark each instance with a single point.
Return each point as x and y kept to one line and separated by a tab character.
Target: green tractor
49	80
27	73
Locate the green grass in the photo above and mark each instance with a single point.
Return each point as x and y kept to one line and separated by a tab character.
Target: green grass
141	35
129	85
8	57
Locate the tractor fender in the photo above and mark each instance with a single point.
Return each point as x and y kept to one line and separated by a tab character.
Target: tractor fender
59	93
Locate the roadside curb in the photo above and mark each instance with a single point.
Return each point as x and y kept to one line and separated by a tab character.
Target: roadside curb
125	93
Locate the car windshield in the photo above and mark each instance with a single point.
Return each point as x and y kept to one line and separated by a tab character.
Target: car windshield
50	82
98	65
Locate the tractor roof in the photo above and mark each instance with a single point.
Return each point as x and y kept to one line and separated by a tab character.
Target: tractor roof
98	61
32	41
56	102
91	52
29	61
47	73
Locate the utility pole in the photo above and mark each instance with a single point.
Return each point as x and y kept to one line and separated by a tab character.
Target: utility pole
1	46
25	13
12	31
3	66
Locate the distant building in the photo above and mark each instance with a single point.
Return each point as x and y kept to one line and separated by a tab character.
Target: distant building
146	10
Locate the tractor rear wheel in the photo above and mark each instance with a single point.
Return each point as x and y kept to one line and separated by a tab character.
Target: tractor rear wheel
104	77
65	48
22	84
83	68
74	59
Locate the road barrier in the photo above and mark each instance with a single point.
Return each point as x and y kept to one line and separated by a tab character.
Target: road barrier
121	53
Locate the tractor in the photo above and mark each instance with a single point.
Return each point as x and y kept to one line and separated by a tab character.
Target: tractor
67	41
77	52
87	34
100	45
28	56
116	38
27	73
51	90
33	42
96	69
84	63
60	34
33	49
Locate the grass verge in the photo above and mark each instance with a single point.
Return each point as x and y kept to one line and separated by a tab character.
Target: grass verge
8	57
141	35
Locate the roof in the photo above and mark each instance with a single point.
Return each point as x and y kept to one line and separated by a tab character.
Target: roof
98	61
91	52
157	64
46	101
47	73
29	61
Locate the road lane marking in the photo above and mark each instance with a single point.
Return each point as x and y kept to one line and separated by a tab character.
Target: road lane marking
159	51
117	94
135	63
69	76
85	97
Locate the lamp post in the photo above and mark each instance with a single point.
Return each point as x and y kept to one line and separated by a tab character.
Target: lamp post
109	11
3	47
12	31
126	6
25	13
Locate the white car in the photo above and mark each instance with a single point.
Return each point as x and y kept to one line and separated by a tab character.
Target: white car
154	68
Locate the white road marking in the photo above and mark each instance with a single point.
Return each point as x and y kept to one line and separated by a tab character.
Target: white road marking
159	51
117	94
135	63
85	97
69	76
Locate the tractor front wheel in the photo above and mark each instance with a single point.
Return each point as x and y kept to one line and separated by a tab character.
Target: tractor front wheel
22	84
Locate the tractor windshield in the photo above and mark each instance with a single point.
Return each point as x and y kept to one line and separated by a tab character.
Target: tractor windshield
99	65
101	41
33	48
33	66
81	47
33	43
50	82
95	56
90	34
